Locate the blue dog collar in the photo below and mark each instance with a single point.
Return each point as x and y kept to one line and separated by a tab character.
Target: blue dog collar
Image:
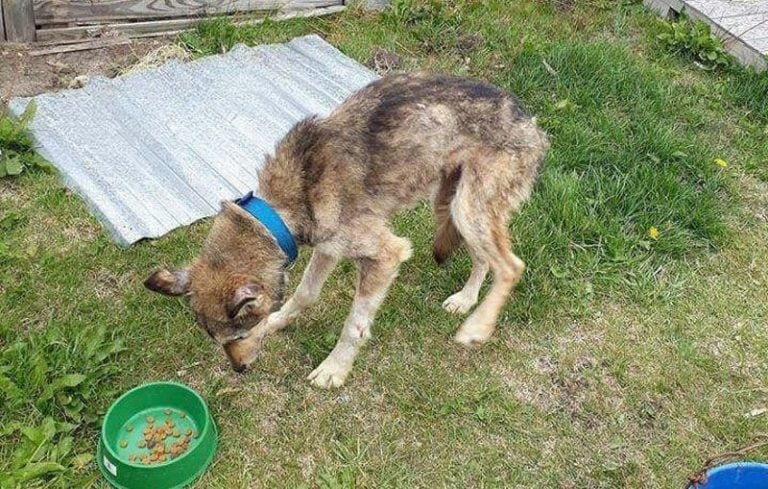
272	221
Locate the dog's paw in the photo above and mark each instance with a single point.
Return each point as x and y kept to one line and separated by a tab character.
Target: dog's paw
279	320
459	303
471	334
329	374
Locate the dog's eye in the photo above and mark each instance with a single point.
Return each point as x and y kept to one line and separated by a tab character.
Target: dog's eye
241	334
239	308
245	309
246	320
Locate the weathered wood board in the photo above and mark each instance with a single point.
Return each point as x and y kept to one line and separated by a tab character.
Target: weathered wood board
152	28
80	46
2	25
19	20
82	12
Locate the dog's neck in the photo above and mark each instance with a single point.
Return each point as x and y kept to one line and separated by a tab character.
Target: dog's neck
292	214
283	179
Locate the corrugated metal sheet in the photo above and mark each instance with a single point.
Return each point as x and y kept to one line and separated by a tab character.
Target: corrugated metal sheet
162	148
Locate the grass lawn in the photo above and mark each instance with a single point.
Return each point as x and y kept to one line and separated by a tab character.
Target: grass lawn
625	359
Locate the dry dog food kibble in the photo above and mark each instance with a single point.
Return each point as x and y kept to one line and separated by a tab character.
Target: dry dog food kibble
152	447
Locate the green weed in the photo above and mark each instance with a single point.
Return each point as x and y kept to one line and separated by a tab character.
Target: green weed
16	149
695	39
48	381
220	35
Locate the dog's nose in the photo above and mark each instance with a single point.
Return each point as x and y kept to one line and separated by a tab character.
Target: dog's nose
239	368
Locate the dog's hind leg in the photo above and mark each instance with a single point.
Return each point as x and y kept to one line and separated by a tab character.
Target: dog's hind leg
493	245
462	301
375	274
447	237
480	213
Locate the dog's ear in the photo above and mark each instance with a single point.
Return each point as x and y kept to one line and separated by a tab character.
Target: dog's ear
169	282
246	298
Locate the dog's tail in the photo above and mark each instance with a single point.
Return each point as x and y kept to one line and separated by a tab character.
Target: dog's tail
447	237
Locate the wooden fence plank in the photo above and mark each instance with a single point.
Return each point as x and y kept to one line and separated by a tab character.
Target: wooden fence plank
159	27
89	12
19	20
2	24
81	46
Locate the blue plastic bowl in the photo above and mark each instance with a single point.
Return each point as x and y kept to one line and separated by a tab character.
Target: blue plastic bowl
741	475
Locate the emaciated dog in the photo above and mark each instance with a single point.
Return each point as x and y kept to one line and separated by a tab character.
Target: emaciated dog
334	184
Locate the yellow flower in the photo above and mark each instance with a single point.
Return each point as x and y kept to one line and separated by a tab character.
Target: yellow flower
721	162
653	232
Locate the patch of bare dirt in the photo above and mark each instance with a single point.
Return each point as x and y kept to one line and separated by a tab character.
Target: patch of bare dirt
755	196
108	284
307	464
23	74
73	233
11	192
468	43
383	61
563	5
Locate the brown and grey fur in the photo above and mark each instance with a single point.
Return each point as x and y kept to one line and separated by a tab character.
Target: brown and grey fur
337	181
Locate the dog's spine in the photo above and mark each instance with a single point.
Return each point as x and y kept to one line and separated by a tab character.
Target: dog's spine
447	237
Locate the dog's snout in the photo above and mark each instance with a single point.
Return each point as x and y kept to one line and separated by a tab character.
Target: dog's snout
242	352
237	359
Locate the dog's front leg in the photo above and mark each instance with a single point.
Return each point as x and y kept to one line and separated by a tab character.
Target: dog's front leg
317	271
375	275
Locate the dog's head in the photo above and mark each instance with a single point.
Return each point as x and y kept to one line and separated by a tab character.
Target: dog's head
235	283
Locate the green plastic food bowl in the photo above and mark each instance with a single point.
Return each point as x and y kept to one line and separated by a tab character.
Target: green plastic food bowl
160	413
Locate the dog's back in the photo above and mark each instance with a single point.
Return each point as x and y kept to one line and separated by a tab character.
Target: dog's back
408	137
